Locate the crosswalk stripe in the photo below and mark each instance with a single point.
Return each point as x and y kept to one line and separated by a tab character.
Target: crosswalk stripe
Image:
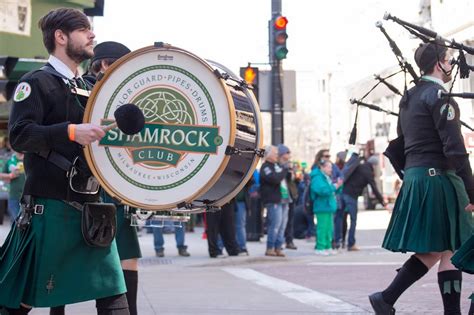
318	300
362	263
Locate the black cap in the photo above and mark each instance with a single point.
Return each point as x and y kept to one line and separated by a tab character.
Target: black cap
428	54
109	50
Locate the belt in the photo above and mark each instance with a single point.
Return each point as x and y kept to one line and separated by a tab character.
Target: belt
435	172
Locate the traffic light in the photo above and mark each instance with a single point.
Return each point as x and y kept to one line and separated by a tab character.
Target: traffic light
11	70
279	37
250	76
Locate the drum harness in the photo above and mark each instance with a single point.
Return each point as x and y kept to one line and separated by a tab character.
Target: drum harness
98	223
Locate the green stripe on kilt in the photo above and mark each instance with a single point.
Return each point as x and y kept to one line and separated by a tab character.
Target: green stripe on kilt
429	214
50	264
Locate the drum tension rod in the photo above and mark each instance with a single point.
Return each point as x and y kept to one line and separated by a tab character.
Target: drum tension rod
232	150
226	76
191	206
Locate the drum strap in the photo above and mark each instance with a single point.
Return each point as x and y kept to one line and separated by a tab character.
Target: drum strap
57	159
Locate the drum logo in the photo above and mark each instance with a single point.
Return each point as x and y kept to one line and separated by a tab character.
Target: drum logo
180	133
170	130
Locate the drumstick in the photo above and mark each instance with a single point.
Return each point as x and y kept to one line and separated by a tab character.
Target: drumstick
109	127
128	118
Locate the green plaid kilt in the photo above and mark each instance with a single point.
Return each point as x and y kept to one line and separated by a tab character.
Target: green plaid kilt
49	264
429	214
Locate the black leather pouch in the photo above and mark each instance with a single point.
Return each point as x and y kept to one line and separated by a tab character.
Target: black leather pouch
395	152
99	223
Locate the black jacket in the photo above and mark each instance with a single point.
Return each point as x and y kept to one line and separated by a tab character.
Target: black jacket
362	176
271	175
432	132
38	123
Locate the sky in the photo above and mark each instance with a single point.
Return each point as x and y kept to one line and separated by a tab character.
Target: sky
331	38
324	36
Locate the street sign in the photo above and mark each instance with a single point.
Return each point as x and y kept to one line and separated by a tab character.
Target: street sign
288	88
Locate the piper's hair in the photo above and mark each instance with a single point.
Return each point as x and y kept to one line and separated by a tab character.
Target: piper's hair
65	19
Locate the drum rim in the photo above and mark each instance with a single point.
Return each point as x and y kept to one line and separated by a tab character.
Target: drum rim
88	151
256	160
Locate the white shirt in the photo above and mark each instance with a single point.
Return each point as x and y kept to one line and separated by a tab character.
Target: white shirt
433	79
61	67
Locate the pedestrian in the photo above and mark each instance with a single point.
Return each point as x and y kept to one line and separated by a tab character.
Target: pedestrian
14	172
289	192
271	176
46	261
429	218
242	207
221	223
354	183
323	194
179	234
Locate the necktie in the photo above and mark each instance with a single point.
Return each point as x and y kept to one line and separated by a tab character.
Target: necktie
80	83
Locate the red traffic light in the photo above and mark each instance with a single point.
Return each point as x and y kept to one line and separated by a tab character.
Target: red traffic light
280	22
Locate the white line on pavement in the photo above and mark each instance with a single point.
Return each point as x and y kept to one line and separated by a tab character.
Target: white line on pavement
296	292
329	263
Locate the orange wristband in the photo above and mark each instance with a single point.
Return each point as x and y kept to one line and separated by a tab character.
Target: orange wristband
71	131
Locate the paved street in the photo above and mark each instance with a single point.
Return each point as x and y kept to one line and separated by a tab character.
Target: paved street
301	283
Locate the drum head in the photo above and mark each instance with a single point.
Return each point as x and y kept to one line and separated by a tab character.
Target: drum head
189	122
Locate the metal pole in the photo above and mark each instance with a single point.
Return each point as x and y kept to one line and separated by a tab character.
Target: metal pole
277	76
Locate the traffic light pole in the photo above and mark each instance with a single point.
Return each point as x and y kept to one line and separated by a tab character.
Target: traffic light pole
276	87
277	106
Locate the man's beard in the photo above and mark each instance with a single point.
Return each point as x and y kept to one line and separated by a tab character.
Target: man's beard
78	54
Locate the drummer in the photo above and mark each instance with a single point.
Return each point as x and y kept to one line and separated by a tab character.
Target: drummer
45	260
127	240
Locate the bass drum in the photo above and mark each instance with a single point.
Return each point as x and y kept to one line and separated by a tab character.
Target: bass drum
202	136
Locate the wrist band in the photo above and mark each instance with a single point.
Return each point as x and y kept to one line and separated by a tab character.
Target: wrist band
71	131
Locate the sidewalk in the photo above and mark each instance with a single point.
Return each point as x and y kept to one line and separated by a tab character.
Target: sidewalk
370	231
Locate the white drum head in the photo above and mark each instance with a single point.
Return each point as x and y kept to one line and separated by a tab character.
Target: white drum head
189	122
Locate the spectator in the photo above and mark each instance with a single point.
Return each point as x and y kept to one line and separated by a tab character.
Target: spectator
241	209
271	177
14	172
255	219
222	223
323	194
159	242
357	177
289	192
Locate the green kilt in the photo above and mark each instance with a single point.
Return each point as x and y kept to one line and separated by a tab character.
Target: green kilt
429	213
49	264
463	259
127	239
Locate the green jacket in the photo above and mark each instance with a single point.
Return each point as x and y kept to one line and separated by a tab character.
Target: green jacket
323	192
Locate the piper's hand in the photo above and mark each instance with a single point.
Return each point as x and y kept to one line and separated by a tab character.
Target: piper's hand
87	133
469	207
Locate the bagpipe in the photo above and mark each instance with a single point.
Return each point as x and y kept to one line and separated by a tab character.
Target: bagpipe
395	149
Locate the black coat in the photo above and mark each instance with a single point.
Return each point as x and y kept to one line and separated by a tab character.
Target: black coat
362	176
39	122
271	175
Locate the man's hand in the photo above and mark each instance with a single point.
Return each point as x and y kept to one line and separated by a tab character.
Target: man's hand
469	207
87	133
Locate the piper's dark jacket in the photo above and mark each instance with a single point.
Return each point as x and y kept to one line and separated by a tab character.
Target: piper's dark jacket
432	132
39	123
271	175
